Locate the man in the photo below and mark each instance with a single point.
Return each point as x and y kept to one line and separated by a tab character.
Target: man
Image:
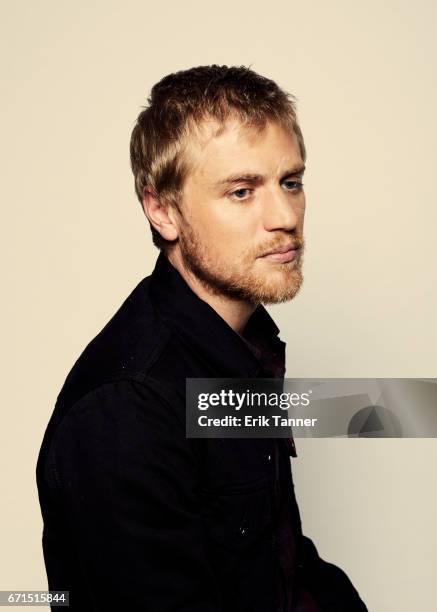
137	516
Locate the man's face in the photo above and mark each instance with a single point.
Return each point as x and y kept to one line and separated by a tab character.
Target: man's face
242	200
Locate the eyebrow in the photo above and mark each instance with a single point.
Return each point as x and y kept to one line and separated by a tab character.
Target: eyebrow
257	179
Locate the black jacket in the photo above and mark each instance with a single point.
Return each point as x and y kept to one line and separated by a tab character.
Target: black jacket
137	516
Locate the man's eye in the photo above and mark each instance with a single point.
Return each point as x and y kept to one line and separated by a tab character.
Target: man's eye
241	194
293	185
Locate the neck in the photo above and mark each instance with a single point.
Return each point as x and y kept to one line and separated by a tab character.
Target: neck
235	312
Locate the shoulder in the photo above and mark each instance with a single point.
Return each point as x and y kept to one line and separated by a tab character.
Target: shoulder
113	394
121	434
126	348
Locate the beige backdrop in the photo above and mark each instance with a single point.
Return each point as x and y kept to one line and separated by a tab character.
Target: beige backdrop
74	76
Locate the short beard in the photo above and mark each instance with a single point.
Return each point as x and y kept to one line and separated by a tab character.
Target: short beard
251	288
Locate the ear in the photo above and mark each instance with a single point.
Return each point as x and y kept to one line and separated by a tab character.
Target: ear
159	215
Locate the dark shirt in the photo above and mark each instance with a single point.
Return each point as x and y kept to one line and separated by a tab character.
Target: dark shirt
289	593
137	516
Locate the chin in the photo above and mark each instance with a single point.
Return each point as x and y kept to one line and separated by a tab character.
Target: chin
273	290
281	296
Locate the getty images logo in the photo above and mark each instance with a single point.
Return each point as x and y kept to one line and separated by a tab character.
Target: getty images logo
238	400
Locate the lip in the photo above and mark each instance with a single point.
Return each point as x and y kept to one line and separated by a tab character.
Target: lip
282	254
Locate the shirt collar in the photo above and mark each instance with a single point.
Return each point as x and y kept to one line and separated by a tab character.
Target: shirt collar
197	322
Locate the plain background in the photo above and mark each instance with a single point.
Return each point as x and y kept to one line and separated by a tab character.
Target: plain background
75	242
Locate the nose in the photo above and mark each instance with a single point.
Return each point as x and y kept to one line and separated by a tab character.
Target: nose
282	210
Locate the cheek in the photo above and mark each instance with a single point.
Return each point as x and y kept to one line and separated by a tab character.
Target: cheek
226	227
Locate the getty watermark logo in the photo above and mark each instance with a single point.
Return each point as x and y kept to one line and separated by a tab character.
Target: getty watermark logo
245	408
249	399
319	408
259	410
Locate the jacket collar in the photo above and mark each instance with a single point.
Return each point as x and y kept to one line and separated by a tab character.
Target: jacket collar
199	324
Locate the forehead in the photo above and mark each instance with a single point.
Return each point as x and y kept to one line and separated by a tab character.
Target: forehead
215	149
